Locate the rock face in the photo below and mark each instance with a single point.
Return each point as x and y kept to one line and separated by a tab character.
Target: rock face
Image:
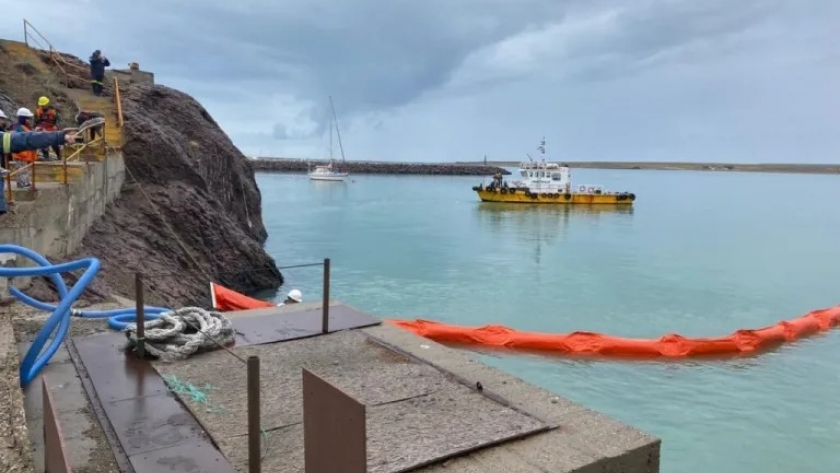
369	167
190	211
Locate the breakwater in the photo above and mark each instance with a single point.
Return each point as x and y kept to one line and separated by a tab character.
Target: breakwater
378	167
699	166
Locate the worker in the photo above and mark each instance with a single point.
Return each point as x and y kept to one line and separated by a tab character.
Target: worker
22	159
98	63
294	297
11	142
46	119
4	125
84	116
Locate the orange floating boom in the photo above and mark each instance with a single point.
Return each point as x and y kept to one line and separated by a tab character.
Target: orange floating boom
741	342
589	343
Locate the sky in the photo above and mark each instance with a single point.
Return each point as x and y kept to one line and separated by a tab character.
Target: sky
448	80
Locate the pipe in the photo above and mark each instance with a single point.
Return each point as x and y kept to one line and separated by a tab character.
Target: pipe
59	320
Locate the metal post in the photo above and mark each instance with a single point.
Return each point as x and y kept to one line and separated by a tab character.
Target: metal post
254	414
25	33
141	316
325	310
64	162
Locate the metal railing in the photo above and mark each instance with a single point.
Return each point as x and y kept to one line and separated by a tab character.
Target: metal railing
36	40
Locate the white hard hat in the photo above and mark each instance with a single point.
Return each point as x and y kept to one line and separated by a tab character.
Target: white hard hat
295	295
2	115
24	112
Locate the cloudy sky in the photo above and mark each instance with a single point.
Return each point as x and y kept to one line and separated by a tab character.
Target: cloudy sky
442	80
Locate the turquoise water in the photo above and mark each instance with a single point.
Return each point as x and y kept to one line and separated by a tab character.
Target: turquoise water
701	254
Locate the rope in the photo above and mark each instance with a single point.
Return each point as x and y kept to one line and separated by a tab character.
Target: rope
178	334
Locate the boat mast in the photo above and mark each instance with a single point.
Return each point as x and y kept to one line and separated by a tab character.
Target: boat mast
337	131
331	143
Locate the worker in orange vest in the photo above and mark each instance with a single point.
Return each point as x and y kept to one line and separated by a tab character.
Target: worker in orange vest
46	119
23	158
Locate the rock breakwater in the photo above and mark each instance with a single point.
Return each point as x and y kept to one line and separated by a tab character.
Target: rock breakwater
375	167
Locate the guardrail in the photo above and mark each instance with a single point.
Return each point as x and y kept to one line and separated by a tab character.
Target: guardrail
31	36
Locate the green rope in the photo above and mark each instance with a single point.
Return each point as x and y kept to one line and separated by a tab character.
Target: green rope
188	390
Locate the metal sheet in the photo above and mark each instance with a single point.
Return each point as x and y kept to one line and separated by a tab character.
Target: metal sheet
285	326
334	430
147	423
147	426
189	457
55	454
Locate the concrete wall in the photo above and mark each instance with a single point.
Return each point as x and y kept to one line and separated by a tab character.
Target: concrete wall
55	223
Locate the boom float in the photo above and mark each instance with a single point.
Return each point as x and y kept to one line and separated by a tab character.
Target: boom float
671	345
589	343
118	319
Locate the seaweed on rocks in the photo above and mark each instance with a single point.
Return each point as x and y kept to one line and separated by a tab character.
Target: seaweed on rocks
190	208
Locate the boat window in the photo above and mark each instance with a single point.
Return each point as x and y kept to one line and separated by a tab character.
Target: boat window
557	176
524	173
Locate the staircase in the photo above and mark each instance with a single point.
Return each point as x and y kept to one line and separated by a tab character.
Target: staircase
78	157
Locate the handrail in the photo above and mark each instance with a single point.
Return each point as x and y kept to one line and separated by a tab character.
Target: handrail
118	100
53	53
77	153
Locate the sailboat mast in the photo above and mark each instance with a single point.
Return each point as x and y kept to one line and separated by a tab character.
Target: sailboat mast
331	143
337	132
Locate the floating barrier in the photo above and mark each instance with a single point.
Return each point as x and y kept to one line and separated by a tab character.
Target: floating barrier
589	343
672	345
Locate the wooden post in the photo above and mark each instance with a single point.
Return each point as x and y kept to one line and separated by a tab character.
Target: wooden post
140	316
254	429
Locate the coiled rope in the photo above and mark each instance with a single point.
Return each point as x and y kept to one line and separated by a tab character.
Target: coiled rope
178	334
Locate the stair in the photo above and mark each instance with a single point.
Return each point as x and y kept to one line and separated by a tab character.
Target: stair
105	106
49	171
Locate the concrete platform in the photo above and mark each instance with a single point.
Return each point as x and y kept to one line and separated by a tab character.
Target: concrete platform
583	441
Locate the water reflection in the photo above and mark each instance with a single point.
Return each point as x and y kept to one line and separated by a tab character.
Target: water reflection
330	189
540	223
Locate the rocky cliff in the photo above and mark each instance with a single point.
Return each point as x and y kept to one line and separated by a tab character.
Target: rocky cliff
190	211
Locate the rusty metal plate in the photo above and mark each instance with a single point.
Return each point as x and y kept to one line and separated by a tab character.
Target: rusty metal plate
334	430
55	451
152	431
285	326
190	457
101	348
133	379
148	423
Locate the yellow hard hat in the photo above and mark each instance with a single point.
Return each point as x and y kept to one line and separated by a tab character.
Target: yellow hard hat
43	101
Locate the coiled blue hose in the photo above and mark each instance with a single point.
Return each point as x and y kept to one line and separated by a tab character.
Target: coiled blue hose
118	319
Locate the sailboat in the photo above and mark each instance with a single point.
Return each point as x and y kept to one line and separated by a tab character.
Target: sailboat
330	172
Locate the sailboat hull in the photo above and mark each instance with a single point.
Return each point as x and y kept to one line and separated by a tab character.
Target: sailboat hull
328	177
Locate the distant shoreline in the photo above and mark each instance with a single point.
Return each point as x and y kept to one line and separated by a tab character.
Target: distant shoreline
479	168
683	166
286	165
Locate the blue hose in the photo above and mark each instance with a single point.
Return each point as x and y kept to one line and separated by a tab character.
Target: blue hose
118	319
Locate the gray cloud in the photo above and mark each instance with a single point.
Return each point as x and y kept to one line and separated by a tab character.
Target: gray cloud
265	69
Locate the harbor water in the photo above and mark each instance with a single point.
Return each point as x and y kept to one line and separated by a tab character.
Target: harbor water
699	254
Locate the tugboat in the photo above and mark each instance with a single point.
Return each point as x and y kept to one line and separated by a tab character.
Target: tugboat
548	183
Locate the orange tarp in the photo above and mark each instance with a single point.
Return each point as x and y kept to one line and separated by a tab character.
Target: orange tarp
225	299
590	343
